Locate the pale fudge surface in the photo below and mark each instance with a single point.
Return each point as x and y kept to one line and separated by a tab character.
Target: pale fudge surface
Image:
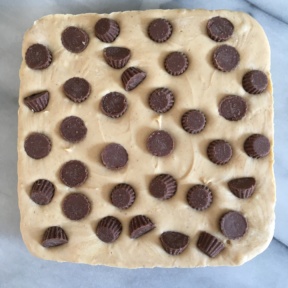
201	87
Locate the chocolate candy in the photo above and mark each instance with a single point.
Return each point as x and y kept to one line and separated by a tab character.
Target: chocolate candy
107	30
160	30
255	82
132	77
37	145
54	236
160	143
199	197
232	108
76	206
209	244
176	63
257	146
42	191
74	173
174	243
73	129
77	89
109	229
219	152
38	57
242	187
163	186
74	39
114	156
114	104
193	121
225	58
122	196
140	225
219	29
37	102
161	100
233	225
117	57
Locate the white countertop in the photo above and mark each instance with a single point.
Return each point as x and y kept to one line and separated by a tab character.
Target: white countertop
20	269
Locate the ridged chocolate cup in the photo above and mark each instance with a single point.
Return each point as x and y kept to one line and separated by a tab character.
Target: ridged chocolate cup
209	244
199	197
219	152
242	188
122	196
176	63
257	146
160	30
193	121
163	187
38	57
54	236
132	77
161	100
116	57
37	102
255	82
174	243
107	30
42	192
140	225
219	29
109	229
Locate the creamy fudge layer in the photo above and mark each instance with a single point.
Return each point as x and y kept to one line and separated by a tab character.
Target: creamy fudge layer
201	86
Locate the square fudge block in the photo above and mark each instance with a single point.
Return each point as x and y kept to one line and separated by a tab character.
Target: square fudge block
174	126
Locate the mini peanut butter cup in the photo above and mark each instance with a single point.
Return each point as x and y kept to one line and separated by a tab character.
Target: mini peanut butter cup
257	146
176	63
161	100
117	57
114	156
54	236
74	173
107	30
122	196
160	143
77	89
209	244
132	77
42	191
199	197
38	57
219	152
255	82
242	187
37	102
193	121
225	58
219	29
108	229
74	39
114	104
233	225
232	108
76	206
73	129
37	145
140	225
174	243
163	186
160	30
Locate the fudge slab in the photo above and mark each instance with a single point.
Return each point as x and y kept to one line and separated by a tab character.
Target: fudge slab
200	87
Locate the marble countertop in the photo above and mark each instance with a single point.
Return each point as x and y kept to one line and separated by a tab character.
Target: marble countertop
20	269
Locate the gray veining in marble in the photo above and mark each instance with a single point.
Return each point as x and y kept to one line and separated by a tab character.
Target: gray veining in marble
19	269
